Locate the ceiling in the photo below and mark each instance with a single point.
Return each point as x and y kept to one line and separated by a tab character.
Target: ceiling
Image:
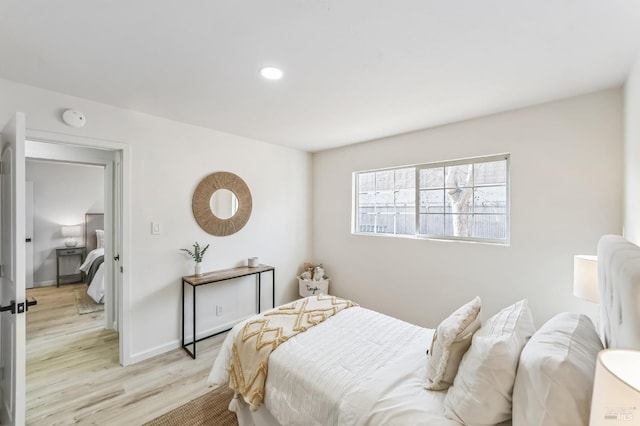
355	70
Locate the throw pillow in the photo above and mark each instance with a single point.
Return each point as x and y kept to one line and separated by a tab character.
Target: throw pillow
450	342
482	390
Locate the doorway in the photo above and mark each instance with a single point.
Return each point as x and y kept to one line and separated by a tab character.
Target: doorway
67	215
14	134
113	158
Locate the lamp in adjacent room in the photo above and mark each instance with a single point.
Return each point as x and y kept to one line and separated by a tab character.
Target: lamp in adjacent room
616	389
70	233
585	278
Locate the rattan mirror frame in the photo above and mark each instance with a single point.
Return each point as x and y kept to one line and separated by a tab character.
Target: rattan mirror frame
202	208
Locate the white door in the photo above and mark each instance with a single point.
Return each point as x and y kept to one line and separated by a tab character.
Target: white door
109	249
28	226
113	221
12	280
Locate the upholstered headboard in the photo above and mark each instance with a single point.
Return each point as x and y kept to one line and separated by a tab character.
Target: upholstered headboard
92	222
619	284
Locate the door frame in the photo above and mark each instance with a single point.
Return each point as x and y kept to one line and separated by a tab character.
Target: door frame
123	289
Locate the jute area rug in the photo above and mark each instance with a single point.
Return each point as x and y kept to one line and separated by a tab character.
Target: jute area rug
86	304
208	410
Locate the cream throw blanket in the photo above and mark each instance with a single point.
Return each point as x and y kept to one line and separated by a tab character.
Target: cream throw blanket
261	336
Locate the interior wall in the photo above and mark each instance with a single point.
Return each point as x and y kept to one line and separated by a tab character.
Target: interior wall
566	191
168	159
632	154
62	194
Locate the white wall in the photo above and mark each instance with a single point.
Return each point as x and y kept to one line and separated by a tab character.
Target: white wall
168	160
62	194
632	154
566	191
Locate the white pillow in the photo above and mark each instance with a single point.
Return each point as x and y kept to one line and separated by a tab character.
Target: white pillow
450	342
555	375
99	238
482	390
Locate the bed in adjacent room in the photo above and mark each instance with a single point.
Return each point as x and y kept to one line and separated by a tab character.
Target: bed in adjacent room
335	363
93	266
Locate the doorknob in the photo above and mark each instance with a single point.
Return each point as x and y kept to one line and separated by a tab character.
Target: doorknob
21	307
10	307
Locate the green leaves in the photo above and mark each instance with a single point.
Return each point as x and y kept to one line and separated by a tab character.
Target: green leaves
197	252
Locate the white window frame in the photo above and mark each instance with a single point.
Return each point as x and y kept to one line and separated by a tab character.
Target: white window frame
473	160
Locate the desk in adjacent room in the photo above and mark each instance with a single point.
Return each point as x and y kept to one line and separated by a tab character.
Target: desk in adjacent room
217	277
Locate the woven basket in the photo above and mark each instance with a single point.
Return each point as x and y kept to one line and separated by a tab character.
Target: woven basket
310	288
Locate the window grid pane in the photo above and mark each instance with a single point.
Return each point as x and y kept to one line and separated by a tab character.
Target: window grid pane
386	202
462	199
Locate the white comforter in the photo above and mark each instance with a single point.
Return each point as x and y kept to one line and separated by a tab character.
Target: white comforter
357	367
96	286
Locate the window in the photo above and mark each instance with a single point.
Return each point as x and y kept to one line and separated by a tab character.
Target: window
464	199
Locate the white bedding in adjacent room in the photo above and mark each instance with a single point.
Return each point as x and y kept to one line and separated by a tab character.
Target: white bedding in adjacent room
93	255
96	286
360	366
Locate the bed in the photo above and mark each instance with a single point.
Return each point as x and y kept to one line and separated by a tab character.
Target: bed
93	266
507	372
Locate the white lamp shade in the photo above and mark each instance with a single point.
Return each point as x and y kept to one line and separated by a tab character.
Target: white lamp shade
616	389
71	231
585	278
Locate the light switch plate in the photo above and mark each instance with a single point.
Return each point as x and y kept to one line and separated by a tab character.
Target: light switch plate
155	228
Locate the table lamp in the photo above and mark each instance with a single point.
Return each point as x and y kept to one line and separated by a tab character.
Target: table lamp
616	389
585	278
70	232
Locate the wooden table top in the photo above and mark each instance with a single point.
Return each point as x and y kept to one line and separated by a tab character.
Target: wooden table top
225	274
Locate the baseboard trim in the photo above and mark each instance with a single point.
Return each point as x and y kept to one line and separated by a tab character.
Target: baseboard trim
150	353
44	283
175	344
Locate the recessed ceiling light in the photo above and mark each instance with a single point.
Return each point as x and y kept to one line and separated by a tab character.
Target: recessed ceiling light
271	73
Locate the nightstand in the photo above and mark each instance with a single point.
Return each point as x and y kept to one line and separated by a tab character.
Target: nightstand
65	252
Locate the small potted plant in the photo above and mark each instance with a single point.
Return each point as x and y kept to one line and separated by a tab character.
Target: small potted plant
197	253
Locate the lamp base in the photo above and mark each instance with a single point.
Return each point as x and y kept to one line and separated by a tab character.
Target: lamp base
70	243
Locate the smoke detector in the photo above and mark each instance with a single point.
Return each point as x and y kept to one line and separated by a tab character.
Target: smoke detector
73	118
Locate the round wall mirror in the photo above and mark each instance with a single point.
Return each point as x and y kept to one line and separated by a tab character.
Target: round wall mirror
222	204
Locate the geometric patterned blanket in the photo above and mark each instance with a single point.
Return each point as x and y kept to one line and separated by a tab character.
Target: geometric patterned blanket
261	336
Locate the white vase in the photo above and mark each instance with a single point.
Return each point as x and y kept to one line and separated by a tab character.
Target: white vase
198	269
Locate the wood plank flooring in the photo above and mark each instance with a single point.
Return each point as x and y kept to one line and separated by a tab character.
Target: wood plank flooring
73	374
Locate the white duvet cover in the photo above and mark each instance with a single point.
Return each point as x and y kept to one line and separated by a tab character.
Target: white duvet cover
357	367
96	286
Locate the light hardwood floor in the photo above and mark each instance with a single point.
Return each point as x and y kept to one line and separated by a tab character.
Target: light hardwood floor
73	375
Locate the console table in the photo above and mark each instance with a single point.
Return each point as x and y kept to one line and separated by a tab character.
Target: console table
217	277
